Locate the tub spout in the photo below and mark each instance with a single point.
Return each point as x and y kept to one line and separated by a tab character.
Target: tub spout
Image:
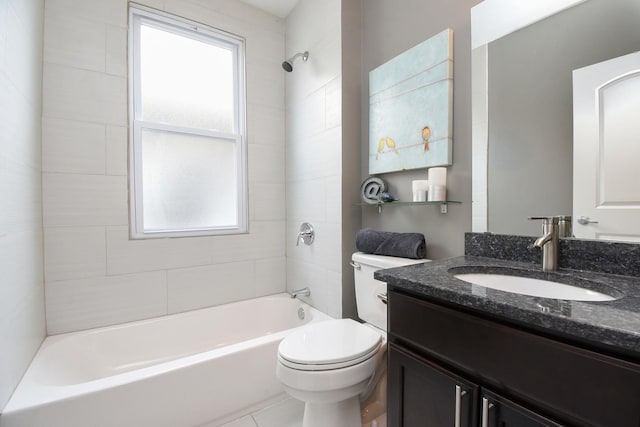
304	292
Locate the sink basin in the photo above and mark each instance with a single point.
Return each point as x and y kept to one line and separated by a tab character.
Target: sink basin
534	287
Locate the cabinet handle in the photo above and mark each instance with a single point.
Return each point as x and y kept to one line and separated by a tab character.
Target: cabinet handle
459	393
382	296
486	406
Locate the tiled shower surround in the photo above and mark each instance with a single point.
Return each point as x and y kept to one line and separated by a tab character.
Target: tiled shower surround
94	274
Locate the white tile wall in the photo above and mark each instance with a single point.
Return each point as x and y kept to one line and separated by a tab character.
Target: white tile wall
314	159
302	274
116	51
20	122
267	201
21	197
264	240
95	274
79	94
271	275
22	324
77	200
74	253
333	113
104	300
332	203
266	164
75	42
116	150
4	13
23	61
200	287
73	147
265	125
262	81
335	294
98	11
306	199
325	252
131	256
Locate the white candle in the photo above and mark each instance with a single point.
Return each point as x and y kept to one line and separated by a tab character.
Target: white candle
438	176
419	188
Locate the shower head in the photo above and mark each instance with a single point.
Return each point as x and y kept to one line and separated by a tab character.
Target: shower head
288	64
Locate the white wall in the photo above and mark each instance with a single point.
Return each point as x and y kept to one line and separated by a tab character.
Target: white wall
314	136
21	287
316	153
95	275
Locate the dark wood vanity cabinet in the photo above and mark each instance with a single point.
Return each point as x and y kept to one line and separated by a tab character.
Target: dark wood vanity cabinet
451	368
424	394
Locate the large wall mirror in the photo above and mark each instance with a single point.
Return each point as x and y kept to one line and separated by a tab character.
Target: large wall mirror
523	124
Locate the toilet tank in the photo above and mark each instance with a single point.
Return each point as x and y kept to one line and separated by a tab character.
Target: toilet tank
371	309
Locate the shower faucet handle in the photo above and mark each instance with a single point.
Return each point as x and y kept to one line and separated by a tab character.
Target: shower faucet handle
307	234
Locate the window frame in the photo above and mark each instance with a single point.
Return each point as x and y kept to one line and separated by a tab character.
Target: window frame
139	15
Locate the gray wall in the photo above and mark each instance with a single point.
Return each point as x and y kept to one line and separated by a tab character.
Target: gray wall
390	28
530	107
351	63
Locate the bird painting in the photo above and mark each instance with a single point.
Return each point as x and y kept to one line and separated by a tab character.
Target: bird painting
387	142
426	133
380	148
392	144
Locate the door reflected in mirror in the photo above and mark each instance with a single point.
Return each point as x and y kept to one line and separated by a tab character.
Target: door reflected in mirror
529	87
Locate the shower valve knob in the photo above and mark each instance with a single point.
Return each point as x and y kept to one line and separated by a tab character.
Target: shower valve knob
306	234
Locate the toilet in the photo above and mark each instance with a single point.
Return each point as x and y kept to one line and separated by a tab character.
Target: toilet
333	365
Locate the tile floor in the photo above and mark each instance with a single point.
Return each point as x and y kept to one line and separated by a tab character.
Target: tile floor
286	413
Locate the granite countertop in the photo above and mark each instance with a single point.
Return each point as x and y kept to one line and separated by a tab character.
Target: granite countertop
612	326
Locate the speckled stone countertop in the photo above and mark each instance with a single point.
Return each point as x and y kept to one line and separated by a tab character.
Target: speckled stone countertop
611	326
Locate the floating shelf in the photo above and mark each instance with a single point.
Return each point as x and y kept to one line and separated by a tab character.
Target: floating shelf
443	204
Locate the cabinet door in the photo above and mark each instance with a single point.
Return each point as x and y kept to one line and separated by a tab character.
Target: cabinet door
496	411
572	384
422	394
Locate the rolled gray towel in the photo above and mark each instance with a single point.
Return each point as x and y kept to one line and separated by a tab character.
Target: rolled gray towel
404	245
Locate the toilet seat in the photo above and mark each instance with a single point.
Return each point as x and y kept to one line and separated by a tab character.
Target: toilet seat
332	344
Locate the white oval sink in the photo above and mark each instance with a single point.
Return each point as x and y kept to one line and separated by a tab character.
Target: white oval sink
533	287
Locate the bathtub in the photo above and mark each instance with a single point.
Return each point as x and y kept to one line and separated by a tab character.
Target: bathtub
188	369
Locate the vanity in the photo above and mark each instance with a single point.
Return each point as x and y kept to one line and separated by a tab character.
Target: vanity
471	340
463	355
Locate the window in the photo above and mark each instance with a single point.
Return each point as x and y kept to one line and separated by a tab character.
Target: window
187	119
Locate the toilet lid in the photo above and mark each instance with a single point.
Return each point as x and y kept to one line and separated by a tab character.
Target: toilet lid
330	343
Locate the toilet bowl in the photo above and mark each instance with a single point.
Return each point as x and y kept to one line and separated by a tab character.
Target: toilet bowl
328	366
332	365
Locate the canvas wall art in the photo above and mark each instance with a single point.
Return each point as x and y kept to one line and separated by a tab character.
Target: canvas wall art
411	108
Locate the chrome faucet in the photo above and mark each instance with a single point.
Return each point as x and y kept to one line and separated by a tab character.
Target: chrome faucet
304	292
548	242
307	234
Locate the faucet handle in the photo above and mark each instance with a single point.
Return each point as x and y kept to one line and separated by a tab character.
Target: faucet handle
546	220
307	234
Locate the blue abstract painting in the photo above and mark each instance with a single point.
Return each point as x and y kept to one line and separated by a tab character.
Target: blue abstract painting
411	108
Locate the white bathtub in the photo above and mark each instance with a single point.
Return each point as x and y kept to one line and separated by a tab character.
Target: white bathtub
181	370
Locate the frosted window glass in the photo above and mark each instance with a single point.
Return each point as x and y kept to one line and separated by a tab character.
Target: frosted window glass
186	82
189	182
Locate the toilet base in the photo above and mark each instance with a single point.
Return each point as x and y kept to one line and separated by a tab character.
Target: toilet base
345	413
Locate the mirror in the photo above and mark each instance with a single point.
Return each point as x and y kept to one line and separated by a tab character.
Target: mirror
523	112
